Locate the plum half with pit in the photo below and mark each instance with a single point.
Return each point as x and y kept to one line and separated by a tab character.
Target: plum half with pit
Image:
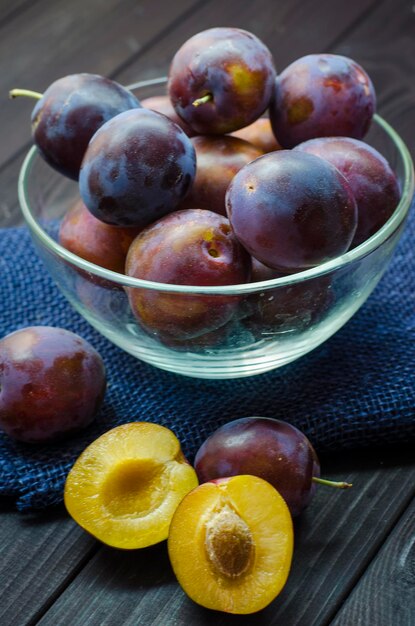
268	448
292	210
322	95
221	79
138	167
70	111
371	179
52	382
189	247
218	158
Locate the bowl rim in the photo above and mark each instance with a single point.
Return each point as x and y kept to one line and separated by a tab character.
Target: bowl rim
338	262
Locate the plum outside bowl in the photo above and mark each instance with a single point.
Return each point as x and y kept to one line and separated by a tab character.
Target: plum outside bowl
272	322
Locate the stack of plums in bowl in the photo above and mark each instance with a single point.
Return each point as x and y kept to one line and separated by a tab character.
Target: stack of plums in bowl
226	220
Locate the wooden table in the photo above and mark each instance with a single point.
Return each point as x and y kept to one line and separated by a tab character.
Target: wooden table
354	555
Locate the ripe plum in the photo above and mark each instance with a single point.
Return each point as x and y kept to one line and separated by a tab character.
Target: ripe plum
93	240
162	104
189	247
52	382
268	448
371	179
137	168
259	134
286	308
70	111
218	158
322	95
291	213
221	79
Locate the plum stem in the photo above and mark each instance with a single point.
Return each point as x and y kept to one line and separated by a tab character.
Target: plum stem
14	93
331	483
207	98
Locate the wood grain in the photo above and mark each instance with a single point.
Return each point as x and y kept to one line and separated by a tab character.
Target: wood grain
40	554
51	572
49	40
335	540
283	26
385	593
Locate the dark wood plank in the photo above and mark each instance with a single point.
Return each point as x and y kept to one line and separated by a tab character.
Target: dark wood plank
10	10
335	540
385	45
289	29
51	39
385	594
40	553
333	546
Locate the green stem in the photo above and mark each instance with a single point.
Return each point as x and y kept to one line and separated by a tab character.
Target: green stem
15	93
331	483
207	98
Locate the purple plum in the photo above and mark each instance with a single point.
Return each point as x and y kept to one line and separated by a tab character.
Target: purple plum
322	95
371	179
221	79
292	210
52	382
137	168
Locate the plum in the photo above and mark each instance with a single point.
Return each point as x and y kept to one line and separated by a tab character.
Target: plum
269	448
93	240
218	159
322	95
52	382
138	167
221	79
70	111
292	210
288	307
162	104
259	134
371	179
188	247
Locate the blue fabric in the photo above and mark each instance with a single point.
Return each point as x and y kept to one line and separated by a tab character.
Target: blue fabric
354	391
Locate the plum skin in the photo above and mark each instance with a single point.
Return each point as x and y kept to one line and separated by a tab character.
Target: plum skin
70	111
137	168
292	213
259	134
162	104
371	179
232	65
94	240
218	158
52	382
321	95
265	447
187	247
286	308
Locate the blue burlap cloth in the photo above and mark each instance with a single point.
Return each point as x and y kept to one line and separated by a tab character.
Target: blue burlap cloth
354	391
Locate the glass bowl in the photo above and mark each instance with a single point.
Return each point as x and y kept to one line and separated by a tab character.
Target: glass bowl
252	328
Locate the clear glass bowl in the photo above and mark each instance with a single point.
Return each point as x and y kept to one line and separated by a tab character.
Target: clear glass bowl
268	324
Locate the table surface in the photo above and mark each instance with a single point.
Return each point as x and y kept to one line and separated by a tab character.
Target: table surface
354	559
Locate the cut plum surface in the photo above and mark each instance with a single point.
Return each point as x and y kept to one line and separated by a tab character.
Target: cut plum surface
125	487
230	544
